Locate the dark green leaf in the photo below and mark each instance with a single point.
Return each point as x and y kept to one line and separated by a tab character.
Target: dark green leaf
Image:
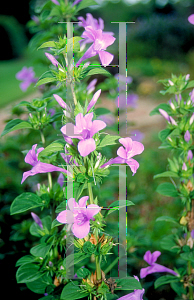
165	279
166	174
98	71
167	189
61	207
28	273
25	202
74	258
89	248
83	272
167	219
178	288
39	286
16	125
189	256
128	284
168	243
40	250
25	260
72	291
164	134
52	148
102	111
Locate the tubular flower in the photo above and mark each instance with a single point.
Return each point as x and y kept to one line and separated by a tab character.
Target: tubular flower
94	100
91	86
79	216
100	41
125	154
84	131
52	59
38	166
151	259
37	219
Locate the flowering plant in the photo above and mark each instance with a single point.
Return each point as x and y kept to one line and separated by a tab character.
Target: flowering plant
69	221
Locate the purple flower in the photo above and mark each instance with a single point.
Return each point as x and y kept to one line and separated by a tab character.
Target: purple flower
76	2
125	154
55	2
91	86
187	136
84	131
108	119
26	75
184	167
61	102
94	100
79	216
138	135
164	114
37	219
38	166
131	100
60	180
191	119
90	21
136	295
190	155
100	42
151	259
191	19
52	59
68	158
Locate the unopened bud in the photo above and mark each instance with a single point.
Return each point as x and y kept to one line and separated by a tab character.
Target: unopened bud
170	82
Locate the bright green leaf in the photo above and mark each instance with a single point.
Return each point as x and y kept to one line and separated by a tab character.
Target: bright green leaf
98	71
48	45
165	279
72	291
166	174
28	273
40	250
16	124
52	148
128	284
167	219
108	140
163	106
85	4
167	189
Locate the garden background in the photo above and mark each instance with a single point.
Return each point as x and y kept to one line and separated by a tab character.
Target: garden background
160	42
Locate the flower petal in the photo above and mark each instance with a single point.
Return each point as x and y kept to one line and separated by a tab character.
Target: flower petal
94	99
105	57
61	102
107	40
89	53
191	19
127	143
81	231
82	201
122	152
66	217
133	164
31	157
137	148
87	146
116	160
97	125
72	204
92	210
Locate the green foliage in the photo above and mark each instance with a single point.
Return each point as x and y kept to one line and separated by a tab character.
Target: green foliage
128	284
16	125
72	291
165	280
167	189
25	202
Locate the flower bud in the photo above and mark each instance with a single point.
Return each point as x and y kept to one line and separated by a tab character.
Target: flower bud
187	136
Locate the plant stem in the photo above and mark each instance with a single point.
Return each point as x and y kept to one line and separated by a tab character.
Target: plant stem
42	137
115	261
90	193
98	269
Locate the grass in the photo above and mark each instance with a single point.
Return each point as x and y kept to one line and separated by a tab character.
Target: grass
9	85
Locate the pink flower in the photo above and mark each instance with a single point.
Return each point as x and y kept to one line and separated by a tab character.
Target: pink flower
52	59
79	216
151	259
84	130
55	2
26	75
125	154
61	102
38	166
37	219
191	19
187	136
94	100
91	86
100	42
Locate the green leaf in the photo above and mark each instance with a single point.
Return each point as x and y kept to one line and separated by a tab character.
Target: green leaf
55	223
119	204
25	260
40	250
72	291
163	106
24	202
189	256
178	288
50	44
89	248
165	279
167	219
190	84
73	259
167	189
108	140
28	273
85	3
39	286
45	78
128	284
16	124
83	272
98	71
166	174
61	207
168	243
52	148
164	134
